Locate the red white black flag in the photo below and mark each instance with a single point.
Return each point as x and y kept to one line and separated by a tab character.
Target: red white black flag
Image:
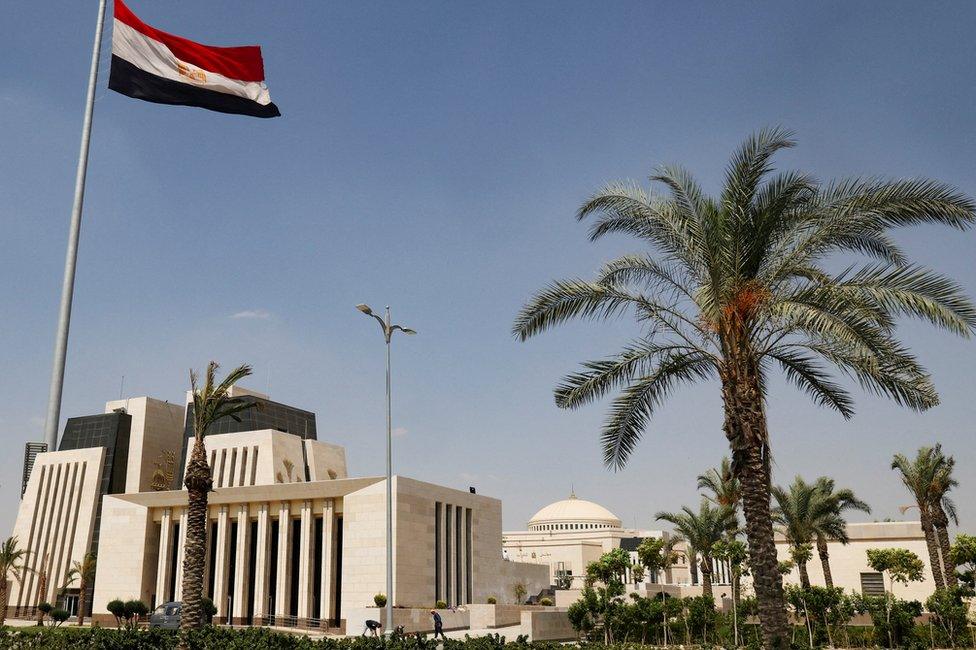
152	65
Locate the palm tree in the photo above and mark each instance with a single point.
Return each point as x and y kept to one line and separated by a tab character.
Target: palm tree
923	478
794	511
944	510
837	502
84	572
700	531
726	490
210	403
734	285
813	512
12	567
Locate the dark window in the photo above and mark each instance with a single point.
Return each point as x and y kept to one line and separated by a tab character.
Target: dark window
437	551
872	584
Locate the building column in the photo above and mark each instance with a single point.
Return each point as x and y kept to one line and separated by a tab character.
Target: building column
222	563
178	595
283	589
442	548
262	566
306	562
449	554
241	586
463	557
162	566
328	560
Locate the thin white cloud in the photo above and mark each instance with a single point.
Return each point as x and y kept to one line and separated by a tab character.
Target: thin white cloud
252	314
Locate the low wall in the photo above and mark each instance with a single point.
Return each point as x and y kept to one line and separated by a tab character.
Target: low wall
413	619
486	617
547	624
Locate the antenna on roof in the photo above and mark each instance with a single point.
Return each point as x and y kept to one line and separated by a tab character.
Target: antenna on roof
572	491
122	387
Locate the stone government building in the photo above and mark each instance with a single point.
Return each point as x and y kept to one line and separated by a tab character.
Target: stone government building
293	540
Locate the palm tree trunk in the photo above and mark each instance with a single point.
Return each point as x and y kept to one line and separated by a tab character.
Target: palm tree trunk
745	427
804	576
706	571
82	587
942	538
825	561
932	545
693	567
3	600
198	484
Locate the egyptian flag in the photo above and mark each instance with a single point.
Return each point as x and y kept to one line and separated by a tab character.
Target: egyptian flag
158	67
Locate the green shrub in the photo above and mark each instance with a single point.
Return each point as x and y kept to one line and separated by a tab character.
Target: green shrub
440	604
546	602
208	608
59	616
380	600
116	608
492	600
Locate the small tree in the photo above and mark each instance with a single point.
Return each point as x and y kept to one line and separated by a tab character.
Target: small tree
963	555
491	600
84	572
546	602
902	566
116	608
379	600
44	609
59	616
518	590
735	553
208	610
440	604
12	567
949	610
133	610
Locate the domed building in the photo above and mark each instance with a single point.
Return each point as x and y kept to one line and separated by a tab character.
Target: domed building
574	514
569	534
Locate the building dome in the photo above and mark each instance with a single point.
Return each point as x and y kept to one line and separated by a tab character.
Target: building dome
573	514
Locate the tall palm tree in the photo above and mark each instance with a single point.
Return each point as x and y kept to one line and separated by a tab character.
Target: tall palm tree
700	531
944	510
837	502
813	513
84	572
794	511
211	402
922	476
732	286
12	567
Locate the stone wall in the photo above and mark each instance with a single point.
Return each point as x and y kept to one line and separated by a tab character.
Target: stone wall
549	624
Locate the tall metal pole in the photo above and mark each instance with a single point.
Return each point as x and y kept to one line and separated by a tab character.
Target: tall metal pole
389	480
68	285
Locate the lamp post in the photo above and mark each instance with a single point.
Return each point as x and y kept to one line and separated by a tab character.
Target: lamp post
388	330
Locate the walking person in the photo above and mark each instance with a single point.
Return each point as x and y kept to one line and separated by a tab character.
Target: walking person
372	627
438	624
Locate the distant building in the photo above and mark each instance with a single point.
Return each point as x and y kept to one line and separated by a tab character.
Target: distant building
293	540
567	535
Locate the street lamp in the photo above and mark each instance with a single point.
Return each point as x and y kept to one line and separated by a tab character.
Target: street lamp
388	330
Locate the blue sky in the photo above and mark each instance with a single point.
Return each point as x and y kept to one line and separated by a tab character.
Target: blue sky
431	156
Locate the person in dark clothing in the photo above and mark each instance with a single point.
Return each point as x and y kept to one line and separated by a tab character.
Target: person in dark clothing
372	627
438	624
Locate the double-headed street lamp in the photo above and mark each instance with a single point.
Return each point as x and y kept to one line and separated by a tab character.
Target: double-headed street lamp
388	330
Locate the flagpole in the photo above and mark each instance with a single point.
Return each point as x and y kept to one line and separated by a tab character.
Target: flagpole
71	258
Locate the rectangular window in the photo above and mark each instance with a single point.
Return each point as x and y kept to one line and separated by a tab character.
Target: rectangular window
872	584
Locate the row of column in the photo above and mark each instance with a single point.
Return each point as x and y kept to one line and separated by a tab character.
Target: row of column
240	548
453	574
